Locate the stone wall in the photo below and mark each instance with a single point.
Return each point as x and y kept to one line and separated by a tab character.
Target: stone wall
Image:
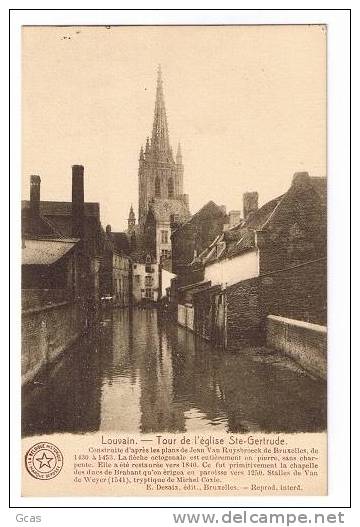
46	332
38	298
304	342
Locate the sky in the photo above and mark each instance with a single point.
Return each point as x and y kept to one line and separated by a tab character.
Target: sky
248	104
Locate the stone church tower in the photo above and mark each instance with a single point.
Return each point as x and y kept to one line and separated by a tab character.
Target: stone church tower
160	175
131	221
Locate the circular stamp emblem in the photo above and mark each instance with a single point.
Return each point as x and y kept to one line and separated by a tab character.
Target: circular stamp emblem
44	460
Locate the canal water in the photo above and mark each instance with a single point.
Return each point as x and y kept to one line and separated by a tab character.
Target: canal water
140	373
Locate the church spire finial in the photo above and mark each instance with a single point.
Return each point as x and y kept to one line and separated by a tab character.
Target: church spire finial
159	74
147	146
160	134
131	213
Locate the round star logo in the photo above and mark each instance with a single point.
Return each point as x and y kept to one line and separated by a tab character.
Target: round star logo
43	461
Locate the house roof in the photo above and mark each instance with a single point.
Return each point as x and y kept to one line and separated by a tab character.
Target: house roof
258	219
121	242
37	225
62	208
55	221
46	252
195	286
209	211
241	238
320	186
116	242
140	256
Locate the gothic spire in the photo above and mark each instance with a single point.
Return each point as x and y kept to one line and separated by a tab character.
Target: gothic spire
160	134
179	155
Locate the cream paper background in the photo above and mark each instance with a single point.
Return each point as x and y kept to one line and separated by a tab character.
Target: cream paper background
65	484
248	104
269	121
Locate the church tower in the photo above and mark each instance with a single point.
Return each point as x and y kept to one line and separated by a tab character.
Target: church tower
160	175
131	221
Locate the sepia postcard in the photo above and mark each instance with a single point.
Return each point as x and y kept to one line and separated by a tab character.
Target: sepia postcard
174	260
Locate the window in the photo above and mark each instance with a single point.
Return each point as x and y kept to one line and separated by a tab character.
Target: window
149	281
176	218
148	293
157	187
164	237
171	188
165	254
148	268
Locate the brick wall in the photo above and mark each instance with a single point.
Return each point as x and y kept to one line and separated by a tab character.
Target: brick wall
298	231
244	311
297	293
190	276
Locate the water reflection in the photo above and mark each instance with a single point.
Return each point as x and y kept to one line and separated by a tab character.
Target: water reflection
142	374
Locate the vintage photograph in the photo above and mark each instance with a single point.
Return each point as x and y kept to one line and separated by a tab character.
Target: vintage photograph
174	230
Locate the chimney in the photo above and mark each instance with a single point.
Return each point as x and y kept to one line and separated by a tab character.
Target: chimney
300	178
78	226
108	229
35	195
234	217
250	203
